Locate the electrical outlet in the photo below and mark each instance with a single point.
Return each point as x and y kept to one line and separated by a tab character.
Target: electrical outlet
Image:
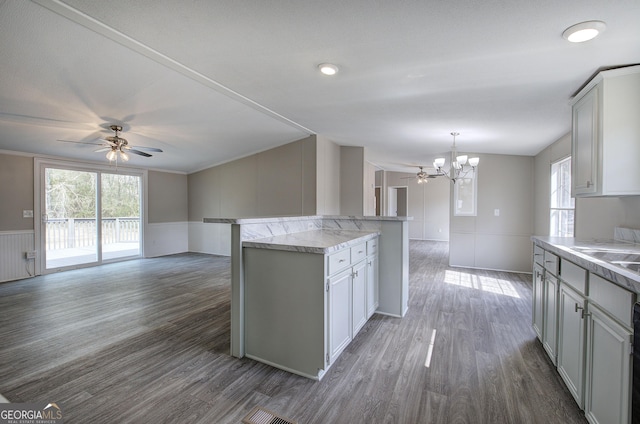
27	213
30	255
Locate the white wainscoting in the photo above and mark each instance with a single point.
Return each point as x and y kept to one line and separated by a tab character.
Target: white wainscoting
13	245
214	239
166	238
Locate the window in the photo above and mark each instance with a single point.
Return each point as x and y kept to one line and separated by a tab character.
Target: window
465	196
562	209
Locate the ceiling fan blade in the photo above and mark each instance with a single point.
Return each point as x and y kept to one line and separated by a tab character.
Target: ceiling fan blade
79	142
149	149
138	152
103	149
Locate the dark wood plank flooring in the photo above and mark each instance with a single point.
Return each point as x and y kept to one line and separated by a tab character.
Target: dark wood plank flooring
147	341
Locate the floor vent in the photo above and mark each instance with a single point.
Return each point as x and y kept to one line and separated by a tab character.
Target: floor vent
260	415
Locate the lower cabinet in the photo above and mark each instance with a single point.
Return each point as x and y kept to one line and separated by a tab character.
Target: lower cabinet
571	341
550	321
585	323
339	313
538	299
608	370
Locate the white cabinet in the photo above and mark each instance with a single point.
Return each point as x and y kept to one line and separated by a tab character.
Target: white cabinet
359	293
608	382
606	135
538	299
348	306
571	339
339	313
372	277
550	321
585	323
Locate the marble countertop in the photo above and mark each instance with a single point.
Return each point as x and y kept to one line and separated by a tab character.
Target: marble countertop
617	261
315	241
264	220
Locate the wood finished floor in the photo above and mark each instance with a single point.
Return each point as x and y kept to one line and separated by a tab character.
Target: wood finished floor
147	341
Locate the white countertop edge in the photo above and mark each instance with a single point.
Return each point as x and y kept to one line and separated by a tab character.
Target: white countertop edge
264	220
564	247
342	240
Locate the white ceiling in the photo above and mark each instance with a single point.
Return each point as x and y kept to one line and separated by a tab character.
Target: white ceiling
211	81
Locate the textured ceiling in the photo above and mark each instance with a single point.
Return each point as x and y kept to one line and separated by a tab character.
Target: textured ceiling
211	81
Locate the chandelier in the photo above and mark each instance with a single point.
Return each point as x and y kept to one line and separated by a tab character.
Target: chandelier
460	166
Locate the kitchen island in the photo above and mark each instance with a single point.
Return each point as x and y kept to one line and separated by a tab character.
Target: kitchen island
307	295
283	235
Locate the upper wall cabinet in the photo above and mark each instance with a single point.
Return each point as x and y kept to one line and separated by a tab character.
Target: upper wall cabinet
606	135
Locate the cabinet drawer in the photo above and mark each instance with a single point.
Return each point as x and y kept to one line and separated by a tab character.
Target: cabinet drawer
615	300
338	261
575	276
358	252
372	247
538	255
551	263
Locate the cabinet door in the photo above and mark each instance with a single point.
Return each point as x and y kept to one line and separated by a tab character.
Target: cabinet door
372	285
608	376
359	291
584	163
549	335
538	299
339	313
571	341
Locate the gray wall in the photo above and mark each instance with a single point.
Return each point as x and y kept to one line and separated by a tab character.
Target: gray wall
277	182
168	200
16	192
497	242
597	217
328	177
428	205
351	180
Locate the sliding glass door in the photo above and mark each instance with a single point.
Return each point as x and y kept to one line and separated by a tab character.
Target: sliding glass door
89	217
70	218
120	201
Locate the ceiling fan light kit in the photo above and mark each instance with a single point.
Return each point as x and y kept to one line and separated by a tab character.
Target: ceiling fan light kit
461	165
118	147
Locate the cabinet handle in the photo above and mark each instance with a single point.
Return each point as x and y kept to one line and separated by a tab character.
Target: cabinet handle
588	184
354	275
360	251
341	260
579	308
369	263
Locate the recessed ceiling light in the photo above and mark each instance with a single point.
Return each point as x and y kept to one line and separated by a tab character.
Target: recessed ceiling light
328	68
584	31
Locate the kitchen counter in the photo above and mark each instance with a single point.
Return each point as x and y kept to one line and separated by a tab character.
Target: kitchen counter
617	261
314	241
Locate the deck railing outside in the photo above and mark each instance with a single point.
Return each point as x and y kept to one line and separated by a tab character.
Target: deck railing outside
66	233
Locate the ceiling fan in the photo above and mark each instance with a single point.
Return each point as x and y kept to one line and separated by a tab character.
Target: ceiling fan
118	147
421	176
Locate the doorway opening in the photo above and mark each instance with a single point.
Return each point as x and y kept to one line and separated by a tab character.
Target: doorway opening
398	204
